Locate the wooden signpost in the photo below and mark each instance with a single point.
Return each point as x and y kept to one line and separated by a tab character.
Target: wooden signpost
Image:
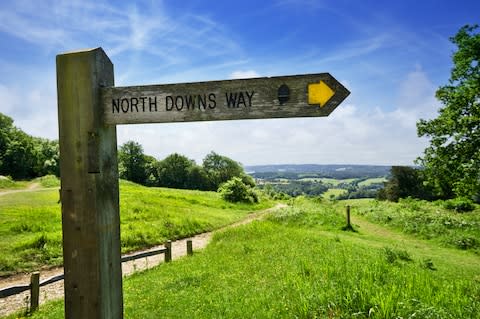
260	98
90	107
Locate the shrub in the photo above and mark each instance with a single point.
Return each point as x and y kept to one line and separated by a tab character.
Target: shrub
465	242
460	204
6	182
48	181
235	191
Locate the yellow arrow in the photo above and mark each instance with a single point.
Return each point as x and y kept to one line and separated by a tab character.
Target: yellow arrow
319	93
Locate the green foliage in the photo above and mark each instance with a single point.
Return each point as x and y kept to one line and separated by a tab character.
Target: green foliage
23	156
326	187
404	182
236	191
47	157
427	220
452	161
299	187
393	255
220	169
272	193
7	182
174	172
48	181
459	204
132	162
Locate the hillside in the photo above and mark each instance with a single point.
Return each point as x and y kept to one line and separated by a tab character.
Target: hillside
31	228
298	263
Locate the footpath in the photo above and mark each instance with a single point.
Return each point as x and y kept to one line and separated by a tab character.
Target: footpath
53	291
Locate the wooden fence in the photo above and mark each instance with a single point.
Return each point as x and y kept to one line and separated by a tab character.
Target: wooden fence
35	284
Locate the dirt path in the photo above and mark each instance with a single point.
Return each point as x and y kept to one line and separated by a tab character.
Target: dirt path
20	302
30	188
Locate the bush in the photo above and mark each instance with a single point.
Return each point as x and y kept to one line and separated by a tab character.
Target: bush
48	181
6	182
460	204
235	191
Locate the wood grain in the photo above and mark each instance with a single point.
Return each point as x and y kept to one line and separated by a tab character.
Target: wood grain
217	100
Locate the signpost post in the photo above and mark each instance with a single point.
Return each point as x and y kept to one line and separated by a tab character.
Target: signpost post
89	188
90	107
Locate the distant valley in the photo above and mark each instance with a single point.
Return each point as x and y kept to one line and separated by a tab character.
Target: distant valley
336	171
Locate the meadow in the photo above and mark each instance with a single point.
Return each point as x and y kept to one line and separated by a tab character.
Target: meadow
434	221
31	229
298	263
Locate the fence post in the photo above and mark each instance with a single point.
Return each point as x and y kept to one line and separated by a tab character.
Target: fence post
168	251
348	217
34	291
189	248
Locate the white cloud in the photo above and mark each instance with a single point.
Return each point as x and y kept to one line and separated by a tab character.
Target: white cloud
8	96
31	100
355	134
244	74
148	44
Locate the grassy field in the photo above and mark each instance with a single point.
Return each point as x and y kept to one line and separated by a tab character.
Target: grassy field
299	264
372	181
30	221
425	220
333	193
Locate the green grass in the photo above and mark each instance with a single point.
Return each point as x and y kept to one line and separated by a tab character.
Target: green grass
426	220
333	193
7	184
30	222
299	264
371	181
335	182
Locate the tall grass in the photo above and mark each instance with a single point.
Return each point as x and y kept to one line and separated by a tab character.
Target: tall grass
6	183
298	264
426	220
47	181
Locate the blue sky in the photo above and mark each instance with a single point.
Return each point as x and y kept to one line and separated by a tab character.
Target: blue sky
391	55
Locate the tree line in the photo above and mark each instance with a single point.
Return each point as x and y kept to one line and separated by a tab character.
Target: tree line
178	171
25	157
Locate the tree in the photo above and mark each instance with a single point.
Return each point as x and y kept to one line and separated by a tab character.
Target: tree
174	171
47	157
6	125
151	170
452	161
132	162
404	182
19	158
235	191
23	156
198	178
220	169
17	153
